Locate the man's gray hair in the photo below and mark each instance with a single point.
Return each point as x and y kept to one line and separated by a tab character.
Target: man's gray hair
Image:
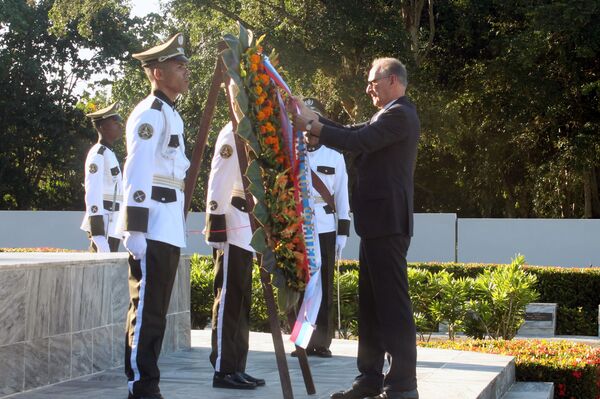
392	66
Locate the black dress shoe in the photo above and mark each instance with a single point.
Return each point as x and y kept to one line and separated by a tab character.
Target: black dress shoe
258	381
321	352
309	352
414	394
150	396
356	392
231	381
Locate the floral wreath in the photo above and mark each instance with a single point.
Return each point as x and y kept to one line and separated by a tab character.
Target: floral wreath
270	173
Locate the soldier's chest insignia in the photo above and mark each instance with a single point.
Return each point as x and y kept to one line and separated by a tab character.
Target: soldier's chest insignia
139	196
226	151
145	131
93	168
94	209
213	205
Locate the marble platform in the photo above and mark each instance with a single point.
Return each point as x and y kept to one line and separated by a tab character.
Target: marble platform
187	374
62	316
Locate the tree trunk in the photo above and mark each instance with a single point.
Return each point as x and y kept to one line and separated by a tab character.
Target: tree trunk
590	189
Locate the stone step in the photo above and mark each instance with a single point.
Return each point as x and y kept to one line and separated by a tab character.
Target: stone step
530	390
188	374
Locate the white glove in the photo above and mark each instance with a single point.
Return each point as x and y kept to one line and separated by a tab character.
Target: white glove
219	246
340	243
101	244
135	242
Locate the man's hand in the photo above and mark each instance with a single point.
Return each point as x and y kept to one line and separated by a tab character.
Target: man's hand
135	242
101	244
340	243
219	246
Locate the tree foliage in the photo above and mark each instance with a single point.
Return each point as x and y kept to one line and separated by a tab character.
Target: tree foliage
507	91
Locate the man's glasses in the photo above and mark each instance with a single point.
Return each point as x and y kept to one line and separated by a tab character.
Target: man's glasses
370	82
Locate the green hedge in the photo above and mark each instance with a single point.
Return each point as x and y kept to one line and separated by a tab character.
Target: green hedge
575	290
574	368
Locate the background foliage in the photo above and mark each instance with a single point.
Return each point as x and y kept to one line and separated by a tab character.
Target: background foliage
508	91
570	288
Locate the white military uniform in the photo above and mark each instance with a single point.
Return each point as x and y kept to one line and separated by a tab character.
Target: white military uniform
154	172
228	221
103	185
330	166
226	209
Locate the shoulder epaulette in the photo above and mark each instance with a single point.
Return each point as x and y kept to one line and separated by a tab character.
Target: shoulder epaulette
157	105
101	150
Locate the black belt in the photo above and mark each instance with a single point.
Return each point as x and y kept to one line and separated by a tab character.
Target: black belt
108	205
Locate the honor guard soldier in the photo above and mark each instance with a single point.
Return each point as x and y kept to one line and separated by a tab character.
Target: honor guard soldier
103	182
153	211
228	232
332	213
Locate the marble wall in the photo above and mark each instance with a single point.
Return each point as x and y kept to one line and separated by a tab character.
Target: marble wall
63	317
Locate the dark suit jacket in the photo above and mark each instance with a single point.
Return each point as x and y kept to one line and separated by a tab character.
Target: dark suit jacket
382	197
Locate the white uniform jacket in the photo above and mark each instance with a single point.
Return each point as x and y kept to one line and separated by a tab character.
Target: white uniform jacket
103	185
330	166
154	172
227	218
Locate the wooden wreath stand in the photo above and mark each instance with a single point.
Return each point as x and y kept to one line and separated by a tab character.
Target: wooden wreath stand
220	77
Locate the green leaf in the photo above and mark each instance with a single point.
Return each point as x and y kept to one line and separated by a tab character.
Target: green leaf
233	43
245	37
244	130
287	298
231	60
233	74
253	173
259	241
257	191
278	279
261	213
242	99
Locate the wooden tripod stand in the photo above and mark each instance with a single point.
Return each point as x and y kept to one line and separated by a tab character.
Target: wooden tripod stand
220	77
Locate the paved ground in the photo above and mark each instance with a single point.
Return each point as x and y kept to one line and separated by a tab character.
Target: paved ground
188	374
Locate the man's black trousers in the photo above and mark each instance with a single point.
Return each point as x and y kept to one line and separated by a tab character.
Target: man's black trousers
150	285
321	337
386	323
231	309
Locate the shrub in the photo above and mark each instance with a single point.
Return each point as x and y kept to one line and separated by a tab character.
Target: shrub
201	296
499	299
422	294
570	288
450	302
574	368
348	302
577	308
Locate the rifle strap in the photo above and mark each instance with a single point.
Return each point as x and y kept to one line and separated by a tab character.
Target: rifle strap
322	190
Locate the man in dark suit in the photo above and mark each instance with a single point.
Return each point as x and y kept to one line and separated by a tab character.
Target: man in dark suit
382	202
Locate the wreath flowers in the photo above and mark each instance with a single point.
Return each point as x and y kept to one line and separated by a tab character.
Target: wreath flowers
269	168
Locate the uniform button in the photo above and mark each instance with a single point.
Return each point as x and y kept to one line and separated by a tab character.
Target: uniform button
162	199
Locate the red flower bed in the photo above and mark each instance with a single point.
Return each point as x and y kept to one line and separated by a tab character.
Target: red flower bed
573	367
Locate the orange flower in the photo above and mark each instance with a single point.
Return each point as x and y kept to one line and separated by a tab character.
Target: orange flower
260	116
258	90
253	67
264	78
269	126
268	111
255	58
260	100
262	129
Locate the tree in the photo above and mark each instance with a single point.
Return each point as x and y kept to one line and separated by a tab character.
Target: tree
44	136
